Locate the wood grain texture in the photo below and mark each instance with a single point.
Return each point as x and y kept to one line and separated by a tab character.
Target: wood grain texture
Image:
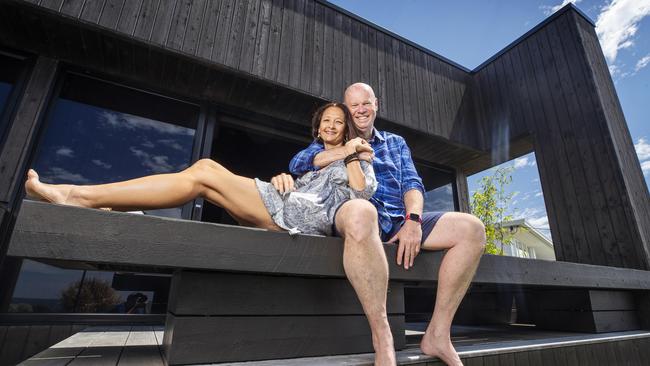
200	293
224	339
24	126
69	233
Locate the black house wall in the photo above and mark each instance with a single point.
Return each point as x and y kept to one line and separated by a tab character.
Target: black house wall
554	86
280	59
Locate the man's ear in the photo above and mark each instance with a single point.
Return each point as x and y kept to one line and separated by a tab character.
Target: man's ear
377	104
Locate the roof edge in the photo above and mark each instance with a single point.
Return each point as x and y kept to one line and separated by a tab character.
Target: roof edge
392	34
543	23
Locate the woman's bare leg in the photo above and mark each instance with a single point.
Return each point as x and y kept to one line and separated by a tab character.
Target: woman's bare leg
206	178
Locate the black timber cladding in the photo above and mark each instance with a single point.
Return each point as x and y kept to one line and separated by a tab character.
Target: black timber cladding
554	86
310	46
598	204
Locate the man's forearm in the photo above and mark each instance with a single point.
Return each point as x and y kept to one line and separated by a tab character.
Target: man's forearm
327	157
413	201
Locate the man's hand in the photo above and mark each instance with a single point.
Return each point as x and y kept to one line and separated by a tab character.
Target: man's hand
409	237
283	182
358	145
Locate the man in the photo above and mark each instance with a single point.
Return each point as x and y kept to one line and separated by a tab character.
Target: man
397	209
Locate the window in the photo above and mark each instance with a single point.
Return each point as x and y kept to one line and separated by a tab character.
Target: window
43	288
100	132
238	147
439	188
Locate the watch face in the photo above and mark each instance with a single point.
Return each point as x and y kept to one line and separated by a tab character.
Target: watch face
414	217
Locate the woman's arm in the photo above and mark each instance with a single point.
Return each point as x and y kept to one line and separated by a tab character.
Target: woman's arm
356	176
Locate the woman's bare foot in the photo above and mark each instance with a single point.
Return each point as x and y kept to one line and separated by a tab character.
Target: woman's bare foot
53	193
440	347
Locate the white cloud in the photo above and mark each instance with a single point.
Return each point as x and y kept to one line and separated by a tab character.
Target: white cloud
642	148
156	163
645	166
65	151
60	175
617	25
101	164
538	194
539	222
130	122
524	162
643	62
172	144
528	212
548	9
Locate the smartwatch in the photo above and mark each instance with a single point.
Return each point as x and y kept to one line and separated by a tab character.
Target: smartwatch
414	217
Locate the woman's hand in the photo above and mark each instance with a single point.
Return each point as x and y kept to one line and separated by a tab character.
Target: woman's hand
283	182
358	145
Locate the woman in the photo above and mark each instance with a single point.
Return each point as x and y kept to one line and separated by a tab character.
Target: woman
310	208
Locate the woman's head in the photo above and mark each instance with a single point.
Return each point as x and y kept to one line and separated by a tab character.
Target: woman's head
332	124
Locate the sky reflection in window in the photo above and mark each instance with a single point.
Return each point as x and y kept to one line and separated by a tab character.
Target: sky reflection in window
89	144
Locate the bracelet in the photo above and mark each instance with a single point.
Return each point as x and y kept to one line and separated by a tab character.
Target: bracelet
350	158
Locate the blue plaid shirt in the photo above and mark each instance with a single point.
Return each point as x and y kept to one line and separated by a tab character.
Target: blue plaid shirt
394	170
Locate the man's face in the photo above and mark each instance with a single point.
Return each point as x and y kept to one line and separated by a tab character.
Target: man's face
363	106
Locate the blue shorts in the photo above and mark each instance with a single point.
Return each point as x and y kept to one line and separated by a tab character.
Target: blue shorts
429	220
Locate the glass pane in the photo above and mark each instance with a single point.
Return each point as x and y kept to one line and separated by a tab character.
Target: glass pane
439	191
99	132
440	199
42	288
92	143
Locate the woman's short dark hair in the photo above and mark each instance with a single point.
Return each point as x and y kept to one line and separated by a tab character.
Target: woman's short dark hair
351	130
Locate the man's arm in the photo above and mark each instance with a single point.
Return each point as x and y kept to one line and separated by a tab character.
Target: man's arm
303	161
410	235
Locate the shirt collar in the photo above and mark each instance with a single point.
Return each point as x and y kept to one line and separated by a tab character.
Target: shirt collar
377	135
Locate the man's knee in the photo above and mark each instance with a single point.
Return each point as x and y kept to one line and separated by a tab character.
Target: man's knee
357	220
474	230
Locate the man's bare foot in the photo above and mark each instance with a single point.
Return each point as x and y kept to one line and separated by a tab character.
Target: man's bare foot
52	193
382	342
385	356
440	347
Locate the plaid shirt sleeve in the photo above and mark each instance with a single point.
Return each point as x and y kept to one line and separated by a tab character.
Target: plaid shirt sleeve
303	162
410	178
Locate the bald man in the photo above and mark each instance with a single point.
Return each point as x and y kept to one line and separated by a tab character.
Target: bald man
394	214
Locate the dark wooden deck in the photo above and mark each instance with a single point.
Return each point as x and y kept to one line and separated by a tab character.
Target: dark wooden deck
506	345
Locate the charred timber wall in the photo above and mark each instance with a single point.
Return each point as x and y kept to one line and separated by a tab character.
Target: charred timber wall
554	86
549	92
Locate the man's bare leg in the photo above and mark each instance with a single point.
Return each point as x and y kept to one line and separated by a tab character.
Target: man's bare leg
205	178
464	237
366	267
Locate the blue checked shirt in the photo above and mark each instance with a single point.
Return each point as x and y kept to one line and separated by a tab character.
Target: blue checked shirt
394	171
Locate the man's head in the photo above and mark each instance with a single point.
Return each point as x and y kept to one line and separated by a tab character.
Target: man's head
361	100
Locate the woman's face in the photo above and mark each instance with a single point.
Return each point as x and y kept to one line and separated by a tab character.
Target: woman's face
332	126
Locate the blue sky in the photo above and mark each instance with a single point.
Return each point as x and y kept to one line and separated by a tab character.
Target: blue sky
470	32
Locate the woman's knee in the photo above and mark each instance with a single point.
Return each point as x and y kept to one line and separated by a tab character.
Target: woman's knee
206	164
204	173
